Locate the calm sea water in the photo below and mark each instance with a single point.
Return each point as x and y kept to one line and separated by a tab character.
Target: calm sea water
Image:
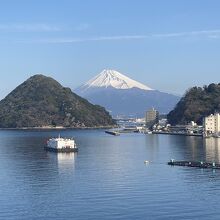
107	178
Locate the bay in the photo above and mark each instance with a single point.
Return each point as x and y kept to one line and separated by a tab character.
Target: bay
107	178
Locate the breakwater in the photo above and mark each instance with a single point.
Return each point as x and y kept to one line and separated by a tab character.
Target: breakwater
199	164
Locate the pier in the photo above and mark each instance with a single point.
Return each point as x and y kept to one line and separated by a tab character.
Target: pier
177	133
198	164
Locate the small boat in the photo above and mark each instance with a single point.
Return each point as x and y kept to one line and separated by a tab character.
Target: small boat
116	133
61	145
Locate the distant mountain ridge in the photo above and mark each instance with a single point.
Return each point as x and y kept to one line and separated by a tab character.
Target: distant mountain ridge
121	95
41	101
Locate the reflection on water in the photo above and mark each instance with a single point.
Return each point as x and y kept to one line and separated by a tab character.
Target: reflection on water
62	160
152	145
66	160
196	148
212	147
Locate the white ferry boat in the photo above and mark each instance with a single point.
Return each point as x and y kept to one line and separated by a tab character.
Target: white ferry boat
61	145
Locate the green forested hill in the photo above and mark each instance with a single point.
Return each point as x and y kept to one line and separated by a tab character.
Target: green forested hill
195	104
42	101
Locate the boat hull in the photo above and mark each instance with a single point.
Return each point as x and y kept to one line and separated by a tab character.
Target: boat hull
115	133
61	150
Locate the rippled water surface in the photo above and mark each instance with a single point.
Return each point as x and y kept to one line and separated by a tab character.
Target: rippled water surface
107	178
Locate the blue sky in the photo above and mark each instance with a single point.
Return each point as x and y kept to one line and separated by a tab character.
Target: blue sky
168	45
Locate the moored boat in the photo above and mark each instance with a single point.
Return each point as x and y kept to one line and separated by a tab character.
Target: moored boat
116	133
61	145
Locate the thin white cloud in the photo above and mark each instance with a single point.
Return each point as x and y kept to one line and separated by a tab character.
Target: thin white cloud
41	27
78	40
214	36
203	33
28	28
190	33
82	27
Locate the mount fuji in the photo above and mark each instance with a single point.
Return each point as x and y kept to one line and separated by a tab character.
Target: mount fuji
123	96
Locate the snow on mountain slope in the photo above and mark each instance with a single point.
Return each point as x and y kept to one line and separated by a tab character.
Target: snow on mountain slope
112	78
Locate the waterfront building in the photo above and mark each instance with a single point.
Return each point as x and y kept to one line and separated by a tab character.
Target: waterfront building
162	122
152	117
212	125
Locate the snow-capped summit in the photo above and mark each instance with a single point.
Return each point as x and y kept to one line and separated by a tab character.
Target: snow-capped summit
111	78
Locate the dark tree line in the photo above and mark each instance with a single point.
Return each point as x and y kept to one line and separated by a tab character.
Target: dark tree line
197	103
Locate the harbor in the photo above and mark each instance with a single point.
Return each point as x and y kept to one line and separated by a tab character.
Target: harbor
137	162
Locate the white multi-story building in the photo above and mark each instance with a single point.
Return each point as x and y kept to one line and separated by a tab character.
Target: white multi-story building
212	125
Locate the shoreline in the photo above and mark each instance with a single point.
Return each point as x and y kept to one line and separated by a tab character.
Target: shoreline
57	128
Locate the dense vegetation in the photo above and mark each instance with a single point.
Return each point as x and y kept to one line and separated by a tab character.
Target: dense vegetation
42	101
196	103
